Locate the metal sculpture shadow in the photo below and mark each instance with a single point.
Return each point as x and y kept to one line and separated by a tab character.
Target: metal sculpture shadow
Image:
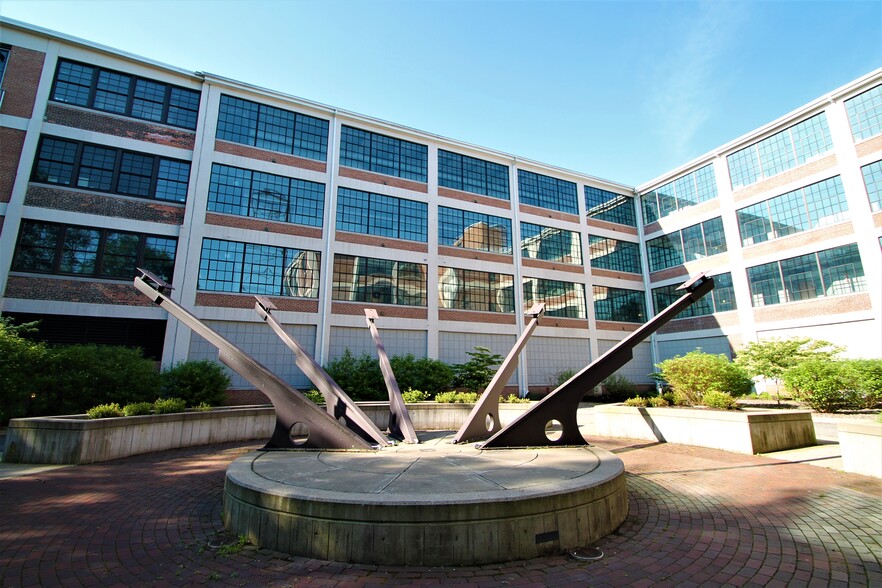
338	404
400	425
483	421
552	421
300	423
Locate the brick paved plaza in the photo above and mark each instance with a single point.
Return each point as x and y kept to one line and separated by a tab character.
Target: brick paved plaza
697	517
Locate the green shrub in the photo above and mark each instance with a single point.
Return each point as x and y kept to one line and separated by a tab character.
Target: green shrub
659	401
721	400
513	399
456	397
196	382
360	377
831	386
138	408
636	401
315	396
79	376
562	376
864	376
695	374
476	373
430	375
618	388
169	405
22	368
105	411
411	395
203	407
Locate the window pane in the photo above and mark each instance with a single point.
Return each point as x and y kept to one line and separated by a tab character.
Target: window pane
79	251
379	281
73	82
220	266
765	284
37	244
865	113
112	92
615	255
55	161
183	108
619	304
159	256
609	206
136	172
475	290
873	182
96	168
842	270
269	197
550	244
148	100
547	192
563	299
172	180
120	255
802	279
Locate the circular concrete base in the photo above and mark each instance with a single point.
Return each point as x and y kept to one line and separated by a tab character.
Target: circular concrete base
435	503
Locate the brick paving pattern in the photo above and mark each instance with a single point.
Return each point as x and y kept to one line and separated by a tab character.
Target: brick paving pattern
697	517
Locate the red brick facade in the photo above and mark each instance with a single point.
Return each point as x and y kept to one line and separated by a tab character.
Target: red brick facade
256	224
21	80
473	198
357	309
666	274
360	174
104	205
566	323
701	323
119	126
813	308
69	290
599	224
605	273
789	242
471	316
616	326
561	216
870	147
785	178
247	301
11	142
270	156
541	263
474	254
381	242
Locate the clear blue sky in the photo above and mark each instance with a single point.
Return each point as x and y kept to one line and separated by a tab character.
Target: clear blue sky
619	90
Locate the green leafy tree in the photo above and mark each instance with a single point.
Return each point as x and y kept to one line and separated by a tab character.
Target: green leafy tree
820	384
197	382
22	364
360	377
477	372
693	375
772	357
423	373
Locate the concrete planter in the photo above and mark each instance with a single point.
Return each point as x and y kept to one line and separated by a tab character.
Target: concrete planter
75	439
739	432
861	446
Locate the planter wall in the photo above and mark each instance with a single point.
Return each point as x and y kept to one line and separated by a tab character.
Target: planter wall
740	432
861	446
75	439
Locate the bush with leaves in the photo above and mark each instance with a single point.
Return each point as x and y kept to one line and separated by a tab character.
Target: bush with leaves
770	358
169	405
360	377
831	386
618	388
138	408
513	399
721	400
423	373
476	373
105	411
315	396
561	377
693	375
456	397
197	382
410	395
864	376
22	367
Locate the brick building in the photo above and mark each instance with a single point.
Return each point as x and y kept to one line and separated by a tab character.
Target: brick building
109	162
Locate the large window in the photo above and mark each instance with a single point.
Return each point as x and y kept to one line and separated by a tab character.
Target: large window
267	127
720	299
383	155
550	244
615	255
782	151
230	266
865	113
95	167
563	299
811	207
825	273
609	206
695	242
379	281
475	290
688	190
619	304
120	93
83	251
259	195
4	57
385	216
873	182
473	230
547	192
477	176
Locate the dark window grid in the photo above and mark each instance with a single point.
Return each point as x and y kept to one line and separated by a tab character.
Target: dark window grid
4	57
275	129
689	190
75	250
788	214
667	295
134	174
381	154
475	290
776	154
453	222
112	91
754	224
614	255
470	174
811	138
248	268
693	243
766	285
687	195
865	113
714	236
380	215
744	167
551	244
802	278
650	207
237	121
618	209
547	192
873	182
705	183
619	304
825	202
562	299
379	281
665	251
841	270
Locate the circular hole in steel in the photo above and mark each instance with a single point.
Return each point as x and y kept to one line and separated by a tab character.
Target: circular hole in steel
553	430
489	422
298	434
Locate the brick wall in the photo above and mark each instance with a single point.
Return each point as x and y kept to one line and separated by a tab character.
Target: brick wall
11	142
21	80
471	316
593	222
118	126
869	147
671	272
360	174
567	323
473	198
616	326
67	290
782	179
554	214
241	222
541	263
270	156
247	301
877	219
386	310
789	242
813	308
474	254
605	273
701	323
381	242
104	205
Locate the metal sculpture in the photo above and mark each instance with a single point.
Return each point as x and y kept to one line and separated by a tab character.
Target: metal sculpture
296	415
400	425
552	421
338	404
483	421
